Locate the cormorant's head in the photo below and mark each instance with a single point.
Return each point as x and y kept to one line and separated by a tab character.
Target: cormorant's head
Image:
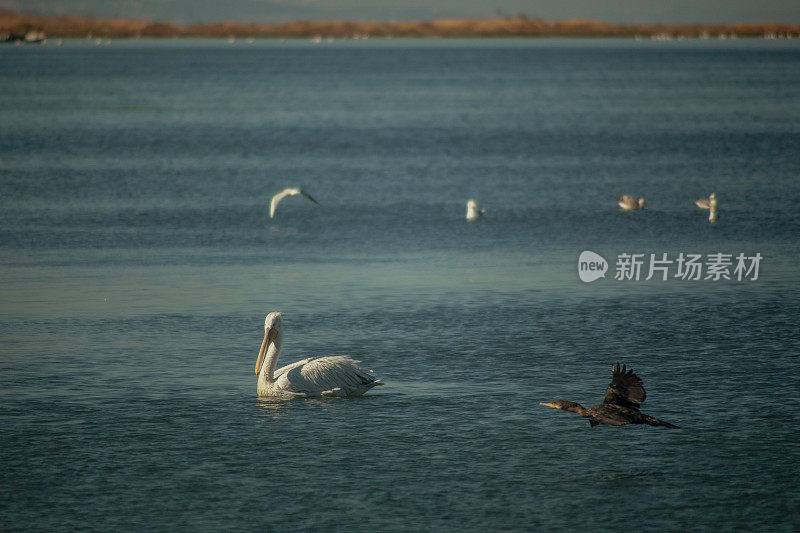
564	406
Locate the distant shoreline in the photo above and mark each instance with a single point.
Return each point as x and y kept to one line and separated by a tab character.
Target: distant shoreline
15	25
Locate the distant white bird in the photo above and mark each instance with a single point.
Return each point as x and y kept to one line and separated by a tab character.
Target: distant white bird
334	375
473	211
709	203
629	203
273	204
705	203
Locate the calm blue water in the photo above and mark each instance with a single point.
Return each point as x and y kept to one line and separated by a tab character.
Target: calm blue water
138	262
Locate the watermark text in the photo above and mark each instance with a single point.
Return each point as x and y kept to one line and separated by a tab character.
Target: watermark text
663	266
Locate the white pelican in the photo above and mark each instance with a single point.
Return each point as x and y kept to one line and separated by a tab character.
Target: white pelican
706	203
273	204
628	203
334	375
473	211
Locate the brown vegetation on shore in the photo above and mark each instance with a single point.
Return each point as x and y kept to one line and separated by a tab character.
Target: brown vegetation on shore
519	26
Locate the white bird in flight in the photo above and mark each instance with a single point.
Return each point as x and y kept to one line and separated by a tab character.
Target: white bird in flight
473	211
629	203
333	375
707	203
273	204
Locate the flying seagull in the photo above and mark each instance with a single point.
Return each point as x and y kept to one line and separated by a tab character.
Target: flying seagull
707	203
473	211
273	204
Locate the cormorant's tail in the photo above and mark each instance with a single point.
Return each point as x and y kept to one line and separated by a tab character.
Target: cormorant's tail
656	422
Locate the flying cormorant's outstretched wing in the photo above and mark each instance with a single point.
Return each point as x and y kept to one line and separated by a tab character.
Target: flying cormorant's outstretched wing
626	388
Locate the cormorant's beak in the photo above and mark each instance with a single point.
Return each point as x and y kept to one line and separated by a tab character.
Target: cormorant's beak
269	336
548	404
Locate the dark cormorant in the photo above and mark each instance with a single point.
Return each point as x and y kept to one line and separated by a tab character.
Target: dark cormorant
621	404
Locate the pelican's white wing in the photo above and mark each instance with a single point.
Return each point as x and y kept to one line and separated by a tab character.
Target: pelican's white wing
703	203
284	369
338	375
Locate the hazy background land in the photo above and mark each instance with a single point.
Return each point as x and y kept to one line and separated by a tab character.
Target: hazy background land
507	26
620	11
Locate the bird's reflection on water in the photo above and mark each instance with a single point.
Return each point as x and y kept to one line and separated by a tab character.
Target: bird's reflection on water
278	408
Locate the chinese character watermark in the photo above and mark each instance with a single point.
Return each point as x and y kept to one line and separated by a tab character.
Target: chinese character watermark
685	266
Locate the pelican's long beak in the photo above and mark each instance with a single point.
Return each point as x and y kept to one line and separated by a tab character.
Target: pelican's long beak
269	336
548	404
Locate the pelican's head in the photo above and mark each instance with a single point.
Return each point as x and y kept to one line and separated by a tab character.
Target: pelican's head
273	321
712	196
642	205
472	204
272	329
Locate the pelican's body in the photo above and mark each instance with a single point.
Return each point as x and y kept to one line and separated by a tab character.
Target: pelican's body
336	375
273	204
473	211
629	203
